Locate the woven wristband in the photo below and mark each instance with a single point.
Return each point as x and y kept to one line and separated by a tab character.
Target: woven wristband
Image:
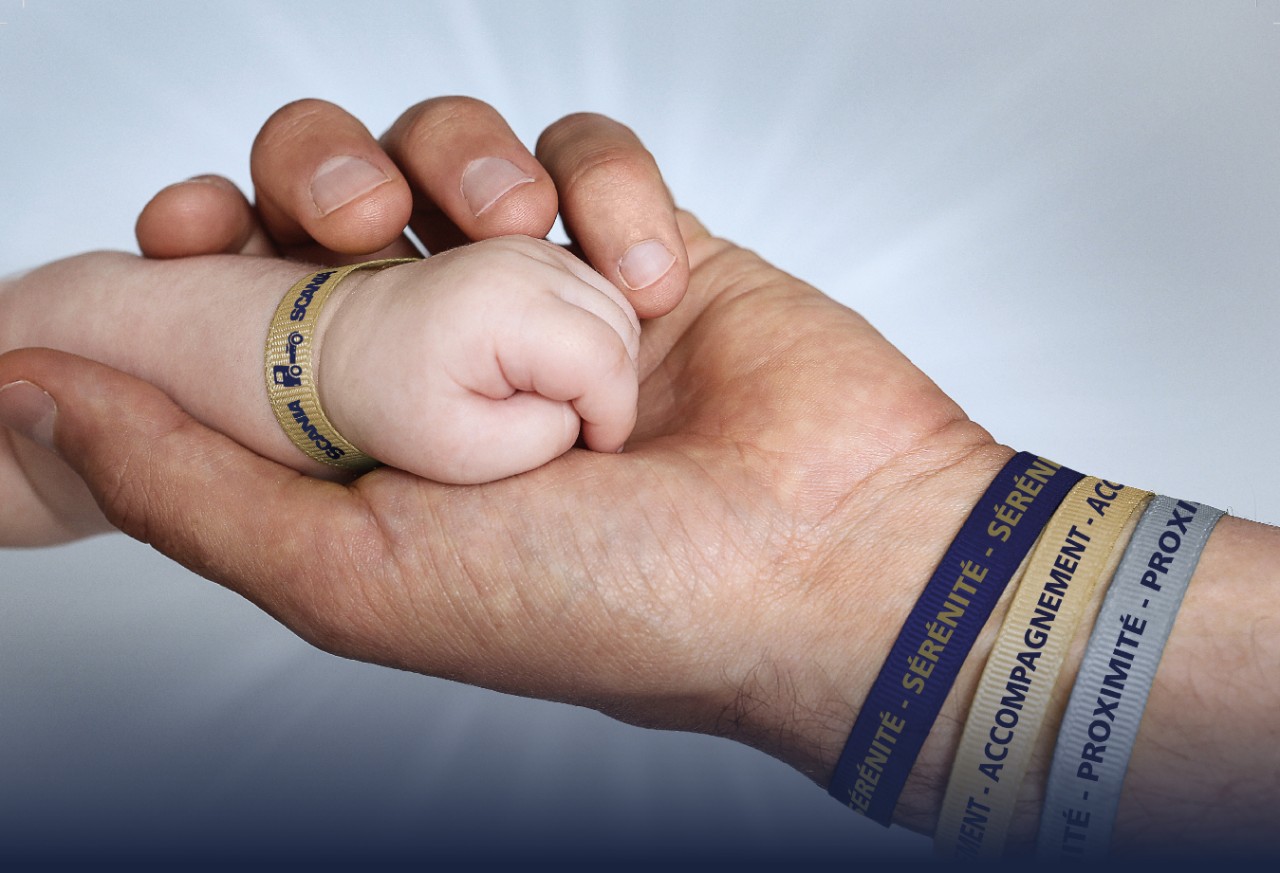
1008	710
1102	718
290	368
940	630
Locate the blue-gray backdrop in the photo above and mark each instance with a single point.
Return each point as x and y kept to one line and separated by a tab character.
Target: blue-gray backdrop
1105	173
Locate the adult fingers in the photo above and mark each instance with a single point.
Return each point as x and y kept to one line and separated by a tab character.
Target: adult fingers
707	283
195	495
205	215
617	208
321	176
472	178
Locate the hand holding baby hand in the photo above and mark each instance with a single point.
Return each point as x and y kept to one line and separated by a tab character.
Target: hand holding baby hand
451	170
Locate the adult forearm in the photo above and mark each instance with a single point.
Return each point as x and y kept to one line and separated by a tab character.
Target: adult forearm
1205	772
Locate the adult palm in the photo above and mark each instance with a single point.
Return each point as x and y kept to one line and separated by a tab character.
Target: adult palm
741	569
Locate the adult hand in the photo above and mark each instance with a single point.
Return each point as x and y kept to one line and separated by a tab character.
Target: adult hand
742	569
449	168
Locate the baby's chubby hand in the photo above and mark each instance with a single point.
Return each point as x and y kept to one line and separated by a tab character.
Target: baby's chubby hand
480	362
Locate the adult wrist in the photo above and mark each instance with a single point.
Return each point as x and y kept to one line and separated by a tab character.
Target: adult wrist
940	504
883	546
1159	807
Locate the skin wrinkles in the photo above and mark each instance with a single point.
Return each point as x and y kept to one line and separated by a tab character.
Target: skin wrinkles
741	568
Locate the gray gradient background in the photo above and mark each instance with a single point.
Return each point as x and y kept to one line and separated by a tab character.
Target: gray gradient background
1066	214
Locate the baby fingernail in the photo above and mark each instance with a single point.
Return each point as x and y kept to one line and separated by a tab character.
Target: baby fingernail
29	411
645	263
340	180
486	180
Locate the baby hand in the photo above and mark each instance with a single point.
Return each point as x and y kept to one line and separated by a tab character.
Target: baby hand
480	362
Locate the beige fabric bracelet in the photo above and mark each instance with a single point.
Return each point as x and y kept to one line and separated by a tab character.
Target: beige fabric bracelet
290	369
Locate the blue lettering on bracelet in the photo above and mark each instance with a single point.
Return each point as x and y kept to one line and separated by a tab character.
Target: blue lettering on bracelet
1075	830
304	296
1096	737
1113	682
973	827
907	695
312	433
1039	629
1168	543
1120	662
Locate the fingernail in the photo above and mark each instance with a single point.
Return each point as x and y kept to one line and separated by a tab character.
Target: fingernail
29	411
340	180
645	263
486	180
207	179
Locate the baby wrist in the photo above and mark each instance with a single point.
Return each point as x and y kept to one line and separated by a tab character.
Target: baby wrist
291	365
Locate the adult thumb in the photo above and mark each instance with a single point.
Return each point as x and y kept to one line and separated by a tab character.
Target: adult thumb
158	474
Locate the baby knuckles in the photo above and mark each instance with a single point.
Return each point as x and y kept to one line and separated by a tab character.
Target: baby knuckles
460	346
515	266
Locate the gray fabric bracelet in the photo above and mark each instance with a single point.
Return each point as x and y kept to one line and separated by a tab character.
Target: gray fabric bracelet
1098	730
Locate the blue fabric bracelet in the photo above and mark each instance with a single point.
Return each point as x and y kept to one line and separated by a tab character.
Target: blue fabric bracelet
921	667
